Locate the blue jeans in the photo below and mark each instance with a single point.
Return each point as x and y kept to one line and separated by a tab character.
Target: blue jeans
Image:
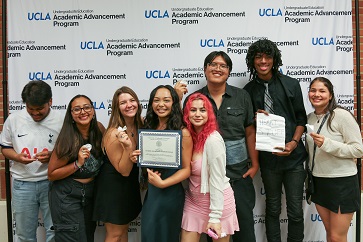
293	181
27	199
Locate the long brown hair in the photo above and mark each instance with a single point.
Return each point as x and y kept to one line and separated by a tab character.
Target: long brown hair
332	102
70	139
116	118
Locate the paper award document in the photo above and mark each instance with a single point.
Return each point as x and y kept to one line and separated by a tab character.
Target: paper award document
270	132
160	148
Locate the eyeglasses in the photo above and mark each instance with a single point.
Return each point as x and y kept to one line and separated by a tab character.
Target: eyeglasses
214	65
77	110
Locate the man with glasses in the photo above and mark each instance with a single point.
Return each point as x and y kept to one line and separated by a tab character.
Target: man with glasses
27	140
233	109
273	92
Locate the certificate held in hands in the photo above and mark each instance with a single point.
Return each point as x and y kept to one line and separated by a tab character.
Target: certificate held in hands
270	132
160	148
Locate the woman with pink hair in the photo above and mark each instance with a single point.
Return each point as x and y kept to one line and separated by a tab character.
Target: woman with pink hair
209	201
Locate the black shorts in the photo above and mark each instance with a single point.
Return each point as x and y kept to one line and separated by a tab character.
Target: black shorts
335	193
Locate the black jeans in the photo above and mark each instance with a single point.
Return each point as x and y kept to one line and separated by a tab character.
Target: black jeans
293	181
71	206
245	198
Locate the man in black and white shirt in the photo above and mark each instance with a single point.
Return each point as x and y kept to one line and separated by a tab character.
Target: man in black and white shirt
27	140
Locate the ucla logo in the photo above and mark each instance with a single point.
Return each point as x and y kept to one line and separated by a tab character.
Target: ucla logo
156	14
322	41
91	45
39	76
38	16
157	74
211	43
315	217
99	106
270	12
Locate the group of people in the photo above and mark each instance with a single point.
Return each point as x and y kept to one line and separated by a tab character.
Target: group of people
92	171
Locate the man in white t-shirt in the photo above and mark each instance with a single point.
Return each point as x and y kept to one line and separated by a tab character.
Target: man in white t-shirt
27	140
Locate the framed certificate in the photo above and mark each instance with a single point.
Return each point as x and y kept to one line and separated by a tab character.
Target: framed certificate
160	148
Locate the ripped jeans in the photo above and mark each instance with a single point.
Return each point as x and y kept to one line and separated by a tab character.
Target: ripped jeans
71	206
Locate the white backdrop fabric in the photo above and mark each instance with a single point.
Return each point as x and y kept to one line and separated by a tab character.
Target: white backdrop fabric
94	47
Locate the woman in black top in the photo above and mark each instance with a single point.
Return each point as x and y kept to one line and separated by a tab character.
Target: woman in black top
72	169
163	206
117	193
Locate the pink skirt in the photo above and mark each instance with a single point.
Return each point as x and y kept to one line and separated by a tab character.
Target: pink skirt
196	212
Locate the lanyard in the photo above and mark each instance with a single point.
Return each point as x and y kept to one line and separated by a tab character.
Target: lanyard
321	125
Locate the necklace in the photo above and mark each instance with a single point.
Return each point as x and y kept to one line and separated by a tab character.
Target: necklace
319	116
132	132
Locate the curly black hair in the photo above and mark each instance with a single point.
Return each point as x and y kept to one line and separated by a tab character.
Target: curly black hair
264	46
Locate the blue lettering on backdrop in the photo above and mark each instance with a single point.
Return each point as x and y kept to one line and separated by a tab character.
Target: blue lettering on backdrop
156	14
38	16
40	76
322	41
269	12
315	217
211	43
157	74
91	45
101	106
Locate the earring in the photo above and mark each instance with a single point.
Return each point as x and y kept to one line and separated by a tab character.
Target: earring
93	117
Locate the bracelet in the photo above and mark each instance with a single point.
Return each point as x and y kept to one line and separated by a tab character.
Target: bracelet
297	142
76	166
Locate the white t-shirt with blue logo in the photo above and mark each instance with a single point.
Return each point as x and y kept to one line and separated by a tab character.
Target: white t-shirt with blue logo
24	135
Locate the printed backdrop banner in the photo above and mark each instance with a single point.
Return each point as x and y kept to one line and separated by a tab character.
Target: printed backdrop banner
94	47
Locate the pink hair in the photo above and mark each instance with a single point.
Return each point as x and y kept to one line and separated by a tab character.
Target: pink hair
210	126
